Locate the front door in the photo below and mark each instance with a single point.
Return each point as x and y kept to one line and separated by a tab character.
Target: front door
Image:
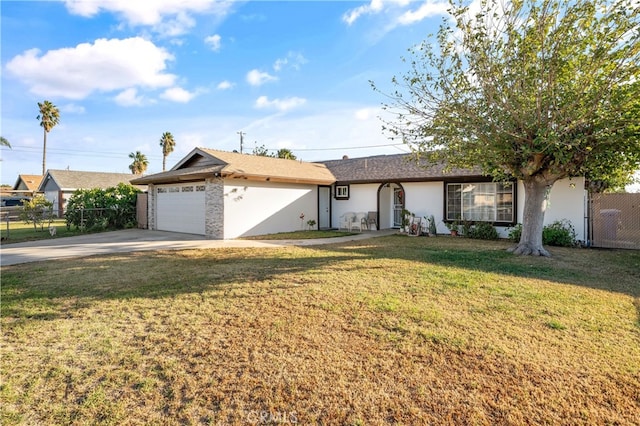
324	207
398	206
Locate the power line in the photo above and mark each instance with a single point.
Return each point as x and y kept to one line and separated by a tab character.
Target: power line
347	147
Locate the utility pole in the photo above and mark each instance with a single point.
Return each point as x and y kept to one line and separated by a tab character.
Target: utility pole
241	133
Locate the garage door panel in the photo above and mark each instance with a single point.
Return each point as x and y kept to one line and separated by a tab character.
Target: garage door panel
180	209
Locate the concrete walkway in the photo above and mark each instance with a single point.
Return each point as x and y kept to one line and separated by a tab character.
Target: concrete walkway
130	240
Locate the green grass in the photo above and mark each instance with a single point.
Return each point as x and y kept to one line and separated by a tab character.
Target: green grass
19	232
392	330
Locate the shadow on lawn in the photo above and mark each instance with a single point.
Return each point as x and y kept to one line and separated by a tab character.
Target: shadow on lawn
38	291
52	289
610	270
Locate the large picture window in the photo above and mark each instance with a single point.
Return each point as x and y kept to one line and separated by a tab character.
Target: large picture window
481	201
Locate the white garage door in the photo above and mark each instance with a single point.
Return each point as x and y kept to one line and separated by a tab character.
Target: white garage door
180	208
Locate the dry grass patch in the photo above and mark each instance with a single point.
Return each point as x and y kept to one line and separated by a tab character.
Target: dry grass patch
384	331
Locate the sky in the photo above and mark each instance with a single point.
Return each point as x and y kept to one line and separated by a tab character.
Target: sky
287	74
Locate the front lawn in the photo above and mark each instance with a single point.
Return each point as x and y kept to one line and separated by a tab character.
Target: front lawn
392	330
19	232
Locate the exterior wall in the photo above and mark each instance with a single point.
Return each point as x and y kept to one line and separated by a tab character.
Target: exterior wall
151	207
567	200
421	198
362	199
255	208
214	208
424	199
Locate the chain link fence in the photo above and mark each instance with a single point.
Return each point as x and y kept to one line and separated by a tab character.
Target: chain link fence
615	220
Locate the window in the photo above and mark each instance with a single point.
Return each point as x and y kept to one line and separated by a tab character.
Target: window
481	201
342	192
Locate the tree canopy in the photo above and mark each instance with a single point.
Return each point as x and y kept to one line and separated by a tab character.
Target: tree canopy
168	143
49	117
263	151
139	164
537	91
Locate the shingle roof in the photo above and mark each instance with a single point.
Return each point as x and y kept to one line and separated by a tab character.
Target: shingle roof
203	162
185	174
274	168
389	168
32	182
70	180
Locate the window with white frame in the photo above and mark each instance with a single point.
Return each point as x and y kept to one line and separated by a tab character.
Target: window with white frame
481	201
342	192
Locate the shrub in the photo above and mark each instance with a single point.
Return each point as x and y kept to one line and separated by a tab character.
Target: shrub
97	209
483	231
36	211
515	233
560	233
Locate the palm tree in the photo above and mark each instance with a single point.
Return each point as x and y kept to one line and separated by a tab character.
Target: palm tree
140	163
286	153
167	143
4	142
49	116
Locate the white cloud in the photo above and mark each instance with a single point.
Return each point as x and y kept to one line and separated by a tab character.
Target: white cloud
225	85
169	17
393	7
293	59
214	42
105	65
178	94
128	98
426	10
258	78
285	104
72	109
365	114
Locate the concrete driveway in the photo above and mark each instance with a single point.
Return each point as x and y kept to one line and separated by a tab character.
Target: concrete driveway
130	240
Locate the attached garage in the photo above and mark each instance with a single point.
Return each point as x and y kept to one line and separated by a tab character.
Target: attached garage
180	208
222	194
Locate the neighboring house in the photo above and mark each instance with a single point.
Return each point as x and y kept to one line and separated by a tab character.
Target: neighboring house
27	184
58	185
226	195
388	184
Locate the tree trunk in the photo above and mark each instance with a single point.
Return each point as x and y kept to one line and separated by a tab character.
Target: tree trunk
44	153
164	162
535	204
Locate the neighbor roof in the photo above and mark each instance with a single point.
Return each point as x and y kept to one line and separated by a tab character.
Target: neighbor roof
70	180
389	168
31	182
203	162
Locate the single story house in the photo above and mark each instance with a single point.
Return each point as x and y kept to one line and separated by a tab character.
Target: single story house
58	185
227	195
388	184
27	184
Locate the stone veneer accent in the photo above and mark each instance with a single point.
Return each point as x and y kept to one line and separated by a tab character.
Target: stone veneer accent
214	208
151	207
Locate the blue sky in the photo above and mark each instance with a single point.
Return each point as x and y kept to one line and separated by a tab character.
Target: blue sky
289	74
